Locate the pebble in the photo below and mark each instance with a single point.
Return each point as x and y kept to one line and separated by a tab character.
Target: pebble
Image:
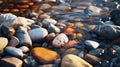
92	59
69	31
53	29
14	51
11	62
74	61
46	22
91	44
23	36
60	40
44	16
50	37
44	55
41	34
14	41
45	6
3	43
24	49
73	51
60	33
71	43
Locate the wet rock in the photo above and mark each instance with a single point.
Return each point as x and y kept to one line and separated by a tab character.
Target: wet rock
7	19
71	51
79	25
74	61
14	51
113	31
53	29
44	16
45	6
91	44
97	52
48	65
14	41
115	16
60	40
29	61
23	36
50	0
41	33
69	31
7	31
60	7
24	49
44	55
11	62
37	0
93	10
79	36
50	37
71	43
115	62
117	48
3	43
33	26
46	22
92	59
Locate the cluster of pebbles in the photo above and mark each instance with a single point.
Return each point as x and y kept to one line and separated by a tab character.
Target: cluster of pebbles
57	33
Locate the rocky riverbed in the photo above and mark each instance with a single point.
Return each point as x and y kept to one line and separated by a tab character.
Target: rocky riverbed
58	33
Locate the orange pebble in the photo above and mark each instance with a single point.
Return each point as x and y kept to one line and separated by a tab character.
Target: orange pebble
44	55
70	24
69	31
79	35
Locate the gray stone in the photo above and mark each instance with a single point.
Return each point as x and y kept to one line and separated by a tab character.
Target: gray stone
38	34
14	51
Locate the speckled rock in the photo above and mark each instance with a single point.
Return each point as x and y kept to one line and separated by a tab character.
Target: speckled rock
14	41
91	44
53	28
24	48
38	34
3	43
14	51
60	40
11	62
44	55
74	61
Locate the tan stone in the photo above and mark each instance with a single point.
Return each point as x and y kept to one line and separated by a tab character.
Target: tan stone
3	43
74	61
11	62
